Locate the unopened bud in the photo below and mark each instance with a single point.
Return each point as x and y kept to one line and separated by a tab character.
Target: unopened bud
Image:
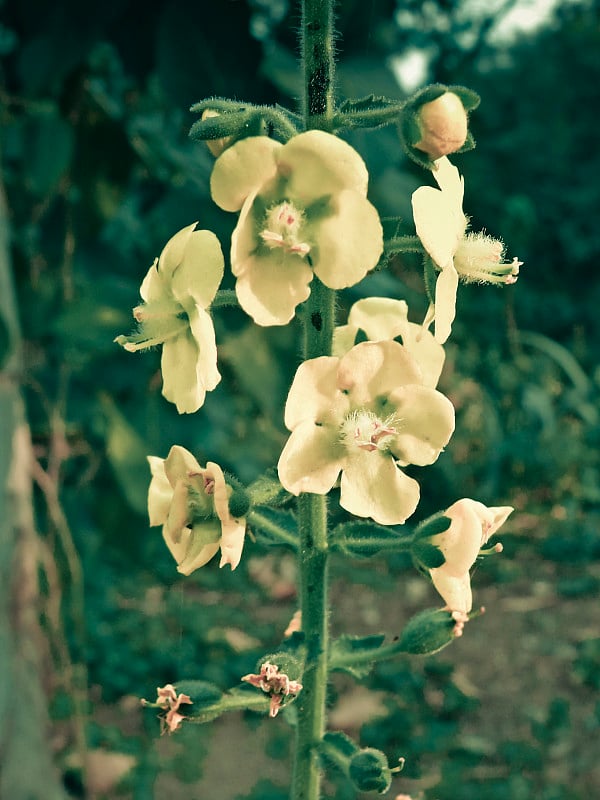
444	126
216	146
428	632
369	771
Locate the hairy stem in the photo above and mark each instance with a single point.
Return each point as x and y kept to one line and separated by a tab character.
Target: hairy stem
317	45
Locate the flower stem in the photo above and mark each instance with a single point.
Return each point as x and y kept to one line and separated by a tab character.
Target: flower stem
317	48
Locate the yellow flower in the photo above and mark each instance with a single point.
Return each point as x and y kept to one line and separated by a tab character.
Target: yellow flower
177	290
303	210
191	503
364	415
442	228
472	524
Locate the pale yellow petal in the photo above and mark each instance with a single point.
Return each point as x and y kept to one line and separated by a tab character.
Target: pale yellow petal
455	590
449	180
373	486
180	379
311	459
318	164
154	287
348	243
200	271
380	318
371	370
173	252
242	169
271	286
202	329
314	394
179	463
425	424
440	224
446	287
202	545
160	492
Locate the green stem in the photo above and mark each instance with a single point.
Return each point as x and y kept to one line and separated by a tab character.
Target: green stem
317	47
403	244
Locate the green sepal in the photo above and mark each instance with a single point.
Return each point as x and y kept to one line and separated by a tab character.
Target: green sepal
432	526
429	277
220	104
267	490
346	648
340	743
469	144
239	503
428	555
468	97
427	632
366	539
369	771
232	124
371	111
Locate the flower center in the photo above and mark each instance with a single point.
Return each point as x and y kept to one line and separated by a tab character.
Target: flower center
158	321
282	228
364	430
478	257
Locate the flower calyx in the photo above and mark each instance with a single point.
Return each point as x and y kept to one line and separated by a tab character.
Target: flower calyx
434	123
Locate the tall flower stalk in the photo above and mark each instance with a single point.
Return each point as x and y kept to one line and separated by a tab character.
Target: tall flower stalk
318	323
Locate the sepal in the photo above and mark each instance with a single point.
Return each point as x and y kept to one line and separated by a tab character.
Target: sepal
427	632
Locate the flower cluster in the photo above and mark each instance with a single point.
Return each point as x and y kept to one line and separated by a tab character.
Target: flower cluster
274	683
363	415
192	504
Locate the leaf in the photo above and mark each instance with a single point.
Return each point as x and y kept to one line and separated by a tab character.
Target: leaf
274	526
347	648
366	539
126	451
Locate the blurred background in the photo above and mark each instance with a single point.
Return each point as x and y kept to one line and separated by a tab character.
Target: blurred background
96	174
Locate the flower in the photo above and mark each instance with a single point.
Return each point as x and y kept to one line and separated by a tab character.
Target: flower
303	209
443	125
442	227
472	524
191	503
274	683
177	290
168	700
382	318
363	415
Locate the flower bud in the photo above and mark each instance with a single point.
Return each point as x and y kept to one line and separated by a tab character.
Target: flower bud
216	146
443	124
369	771
428	632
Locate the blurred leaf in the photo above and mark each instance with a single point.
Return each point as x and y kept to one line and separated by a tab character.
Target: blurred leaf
126	452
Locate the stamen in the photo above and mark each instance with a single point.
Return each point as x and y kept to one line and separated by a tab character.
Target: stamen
366	431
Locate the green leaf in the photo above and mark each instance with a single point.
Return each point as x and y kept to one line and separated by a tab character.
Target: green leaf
274	526
346	649
366	539
126	451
